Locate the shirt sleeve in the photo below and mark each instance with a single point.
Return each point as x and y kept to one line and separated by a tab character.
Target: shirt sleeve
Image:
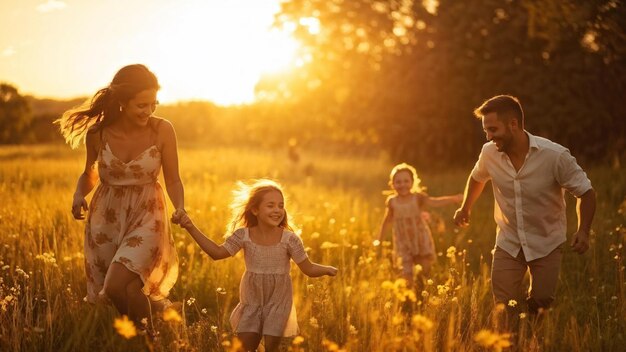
234	242
570	175
479	172
296	249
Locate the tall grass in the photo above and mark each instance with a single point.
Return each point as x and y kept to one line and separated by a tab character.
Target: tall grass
336	200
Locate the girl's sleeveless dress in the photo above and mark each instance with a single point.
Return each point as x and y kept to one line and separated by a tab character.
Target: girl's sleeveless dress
127	224
412	238
265	292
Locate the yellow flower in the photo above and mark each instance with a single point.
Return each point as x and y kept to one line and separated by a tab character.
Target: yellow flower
422	323
451	252
387	285
512	303
489	339
298	340
125	327
328	245
171	315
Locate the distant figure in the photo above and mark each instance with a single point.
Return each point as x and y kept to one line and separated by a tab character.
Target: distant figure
261	228
292	151
412	240
528	175
130	258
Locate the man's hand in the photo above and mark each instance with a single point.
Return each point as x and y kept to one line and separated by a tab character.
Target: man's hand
580	242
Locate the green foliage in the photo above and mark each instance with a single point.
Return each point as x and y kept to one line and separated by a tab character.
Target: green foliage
415	74
15	115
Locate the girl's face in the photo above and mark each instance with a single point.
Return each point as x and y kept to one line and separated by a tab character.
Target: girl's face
271	210
139	109
402	182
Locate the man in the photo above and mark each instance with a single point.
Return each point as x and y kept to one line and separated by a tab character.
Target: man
528	176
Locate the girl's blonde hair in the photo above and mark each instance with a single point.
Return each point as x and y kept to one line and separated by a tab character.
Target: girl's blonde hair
248	197
417	188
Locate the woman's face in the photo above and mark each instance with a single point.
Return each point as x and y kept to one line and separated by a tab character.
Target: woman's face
139	109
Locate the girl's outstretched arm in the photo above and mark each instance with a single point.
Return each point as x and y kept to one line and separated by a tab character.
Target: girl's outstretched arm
315	270
386	223
215	251
443	200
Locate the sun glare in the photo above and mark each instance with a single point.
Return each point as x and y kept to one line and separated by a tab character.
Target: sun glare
200	49
219	54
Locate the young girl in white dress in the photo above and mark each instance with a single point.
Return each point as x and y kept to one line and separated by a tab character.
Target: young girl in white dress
261	228
412	240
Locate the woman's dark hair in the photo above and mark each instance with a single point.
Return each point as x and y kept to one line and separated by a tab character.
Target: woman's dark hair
105	105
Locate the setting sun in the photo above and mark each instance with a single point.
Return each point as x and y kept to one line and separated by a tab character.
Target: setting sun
200	50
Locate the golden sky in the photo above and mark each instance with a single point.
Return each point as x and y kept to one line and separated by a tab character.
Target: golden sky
200	49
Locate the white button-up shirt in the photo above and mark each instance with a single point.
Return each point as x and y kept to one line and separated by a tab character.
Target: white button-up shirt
529	204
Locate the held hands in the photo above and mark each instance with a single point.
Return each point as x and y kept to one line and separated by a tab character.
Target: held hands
458	198
580	242
79	204
461	217
182	219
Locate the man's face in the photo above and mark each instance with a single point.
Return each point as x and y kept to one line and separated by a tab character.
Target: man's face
497	131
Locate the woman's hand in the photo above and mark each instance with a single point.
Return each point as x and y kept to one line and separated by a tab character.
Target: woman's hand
177	215
78	205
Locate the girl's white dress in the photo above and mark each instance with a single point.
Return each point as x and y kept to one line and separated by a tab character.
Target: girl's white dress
265	293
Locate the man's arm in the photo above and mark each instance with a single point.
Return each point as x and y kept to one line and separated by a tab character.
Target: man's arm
473	189
585	209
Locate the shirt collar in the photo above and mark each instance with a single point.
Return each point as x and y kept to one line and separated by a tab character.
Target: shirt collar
532	141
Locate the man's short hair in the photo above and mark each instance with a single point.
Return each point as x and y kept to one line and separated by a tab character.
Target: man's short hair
505	106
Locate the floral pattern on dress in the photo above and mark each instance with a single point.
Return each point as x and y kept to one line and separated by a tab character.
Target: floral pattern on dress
128	224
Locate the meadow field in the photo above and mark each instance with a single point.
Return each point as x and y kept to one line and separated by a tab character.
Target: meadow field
336	200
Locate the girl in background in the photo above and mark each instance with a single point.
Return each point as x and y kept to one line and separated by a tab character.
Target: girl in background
260	227
412	240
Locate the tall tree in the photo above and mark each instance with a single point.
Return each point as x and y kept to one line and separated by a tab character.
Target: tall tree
15	115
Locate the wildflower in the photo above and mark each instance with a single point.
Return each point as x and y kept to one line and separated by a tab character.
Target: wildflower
451	252
204	311
125	327
221	290
429	281
191	301
512	303
387	305
171	314
328	245
454	299
417	269
387	285
397	319
330	346
496	342
314	323
214	329
424	294
522	315
422	323
353	330
443	289
315	235
297	340
144	321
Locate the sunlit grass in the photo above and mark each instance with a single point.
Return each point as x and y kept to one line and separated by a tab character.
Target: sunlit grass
337	203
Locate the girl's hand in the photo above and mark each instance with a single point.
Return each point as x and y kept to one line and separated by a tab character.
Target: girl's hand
185	221
176	216
78	205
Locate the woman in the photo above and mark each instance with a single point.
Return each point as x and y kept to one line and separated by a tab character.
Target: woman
130	258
